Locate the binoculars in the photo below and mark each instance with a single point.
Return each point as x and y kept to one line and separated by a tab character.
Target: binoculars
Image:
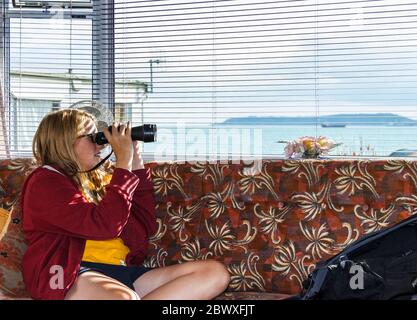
145	133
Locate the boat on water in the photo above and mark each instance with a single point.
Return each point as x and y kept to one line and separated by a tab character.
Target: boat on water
333	125
403	153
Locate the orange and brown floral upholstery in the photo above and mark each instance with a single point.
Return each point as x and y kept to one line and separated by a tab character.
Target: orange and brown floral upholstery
12	245
270	222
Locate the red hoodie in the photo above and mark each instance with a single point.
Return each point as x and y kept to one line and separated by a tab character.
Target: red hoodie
57	221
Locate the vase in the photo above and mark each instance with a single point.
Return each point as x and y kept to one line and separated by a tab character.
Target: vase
310	155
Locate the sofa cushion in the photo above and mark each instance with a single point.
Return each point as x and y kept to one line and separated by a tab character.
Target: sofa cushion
12	248
13	244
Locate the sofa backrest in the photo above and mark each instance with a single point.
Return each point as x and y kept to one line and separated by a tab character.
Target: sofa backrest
270	222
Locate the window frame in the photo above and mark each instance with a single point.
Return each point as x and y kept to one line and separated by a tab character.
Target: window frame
102	91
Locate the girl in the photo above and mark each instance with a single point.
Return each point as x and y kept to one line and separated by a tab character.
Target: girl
88	239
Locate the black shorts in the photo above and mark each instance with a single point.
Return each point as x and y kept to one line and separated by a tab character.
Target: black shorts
124	274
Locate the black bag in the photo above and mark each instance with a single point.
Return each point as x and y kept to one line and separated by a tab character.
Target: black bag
379	266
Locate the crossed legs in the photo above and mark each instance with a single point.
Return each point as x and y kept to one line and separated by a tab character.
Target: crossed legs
197	280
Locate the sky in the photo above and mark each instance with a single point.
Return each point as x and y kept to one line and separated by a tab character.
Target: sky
220	59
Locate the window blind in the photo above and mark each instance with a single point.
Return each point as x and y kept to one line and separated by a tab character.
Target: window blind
220	78
48	54
233	77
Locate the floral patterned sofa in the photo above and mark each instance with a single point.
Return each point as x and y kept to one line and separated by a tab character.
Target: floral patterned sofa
269	221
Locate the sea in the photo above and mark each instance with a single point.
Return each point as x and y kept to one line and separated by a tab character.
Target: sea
270	140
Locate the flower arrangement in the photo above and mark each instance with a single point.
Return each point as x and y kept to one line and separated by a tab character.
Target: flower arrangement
308	147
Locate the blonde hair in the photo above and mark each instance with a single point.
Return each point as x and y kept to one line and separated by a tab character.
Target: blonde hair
53	144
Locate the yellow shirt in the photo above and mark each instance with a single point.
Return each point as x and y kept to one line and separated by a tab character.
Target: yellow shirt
111	251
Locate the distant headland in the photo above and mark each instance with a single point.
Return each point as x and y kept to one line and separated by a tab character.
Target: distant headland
336	120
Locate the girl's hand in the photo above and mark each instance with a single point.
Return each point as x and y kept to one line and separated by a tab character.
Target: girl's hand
137	157
120	140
